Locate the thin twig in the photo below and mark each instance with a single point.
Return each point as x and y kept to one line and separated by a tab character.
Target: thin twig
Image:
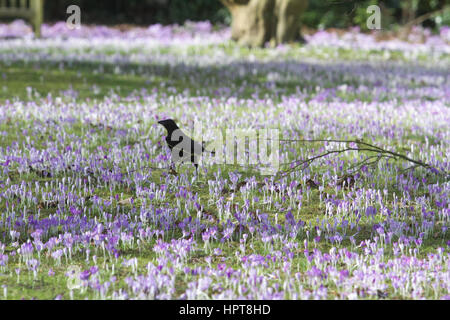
374	148
361	146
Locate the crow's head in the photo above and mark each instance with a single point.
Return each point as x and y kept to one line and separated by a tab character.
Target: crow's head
169	124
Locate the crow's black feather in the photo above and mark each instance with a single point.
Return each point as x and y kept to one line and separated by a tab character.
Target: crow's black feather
172	142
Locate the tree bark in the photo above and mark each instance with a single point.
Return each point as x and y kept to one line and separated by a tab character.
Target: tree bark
256	22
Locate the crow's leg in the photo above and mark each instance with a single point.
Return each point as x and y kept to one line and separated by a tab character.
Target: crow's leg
194	161
196	169
171	165
179	164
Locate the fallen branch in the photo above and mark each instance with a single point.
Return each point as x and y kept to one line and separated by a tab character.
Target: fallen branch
360	146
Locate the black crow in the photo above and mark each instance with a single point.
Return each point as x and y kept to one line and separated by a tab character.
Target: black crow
182	147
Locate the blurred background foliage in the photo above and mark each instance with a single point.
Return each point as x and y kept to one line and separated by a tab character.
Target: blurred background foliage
321	14
394	13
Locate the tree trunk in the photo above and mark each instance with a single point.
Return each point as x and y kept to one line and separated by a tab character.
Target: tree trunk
256	22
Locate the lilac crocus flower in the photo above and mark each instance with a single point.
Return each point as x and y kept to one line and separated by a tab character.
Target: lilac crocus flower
371	211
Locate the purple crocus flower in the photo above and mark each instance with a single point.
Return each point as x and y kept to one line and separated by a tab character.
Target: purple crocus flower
371	211
33	264
84	275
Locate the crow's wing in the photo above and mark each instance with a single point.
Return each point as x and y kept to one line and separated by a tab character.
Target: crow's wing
186	144
182	141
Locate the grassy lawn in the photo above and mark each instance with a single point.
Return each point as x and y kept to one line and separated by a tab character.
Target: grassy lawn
84	178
